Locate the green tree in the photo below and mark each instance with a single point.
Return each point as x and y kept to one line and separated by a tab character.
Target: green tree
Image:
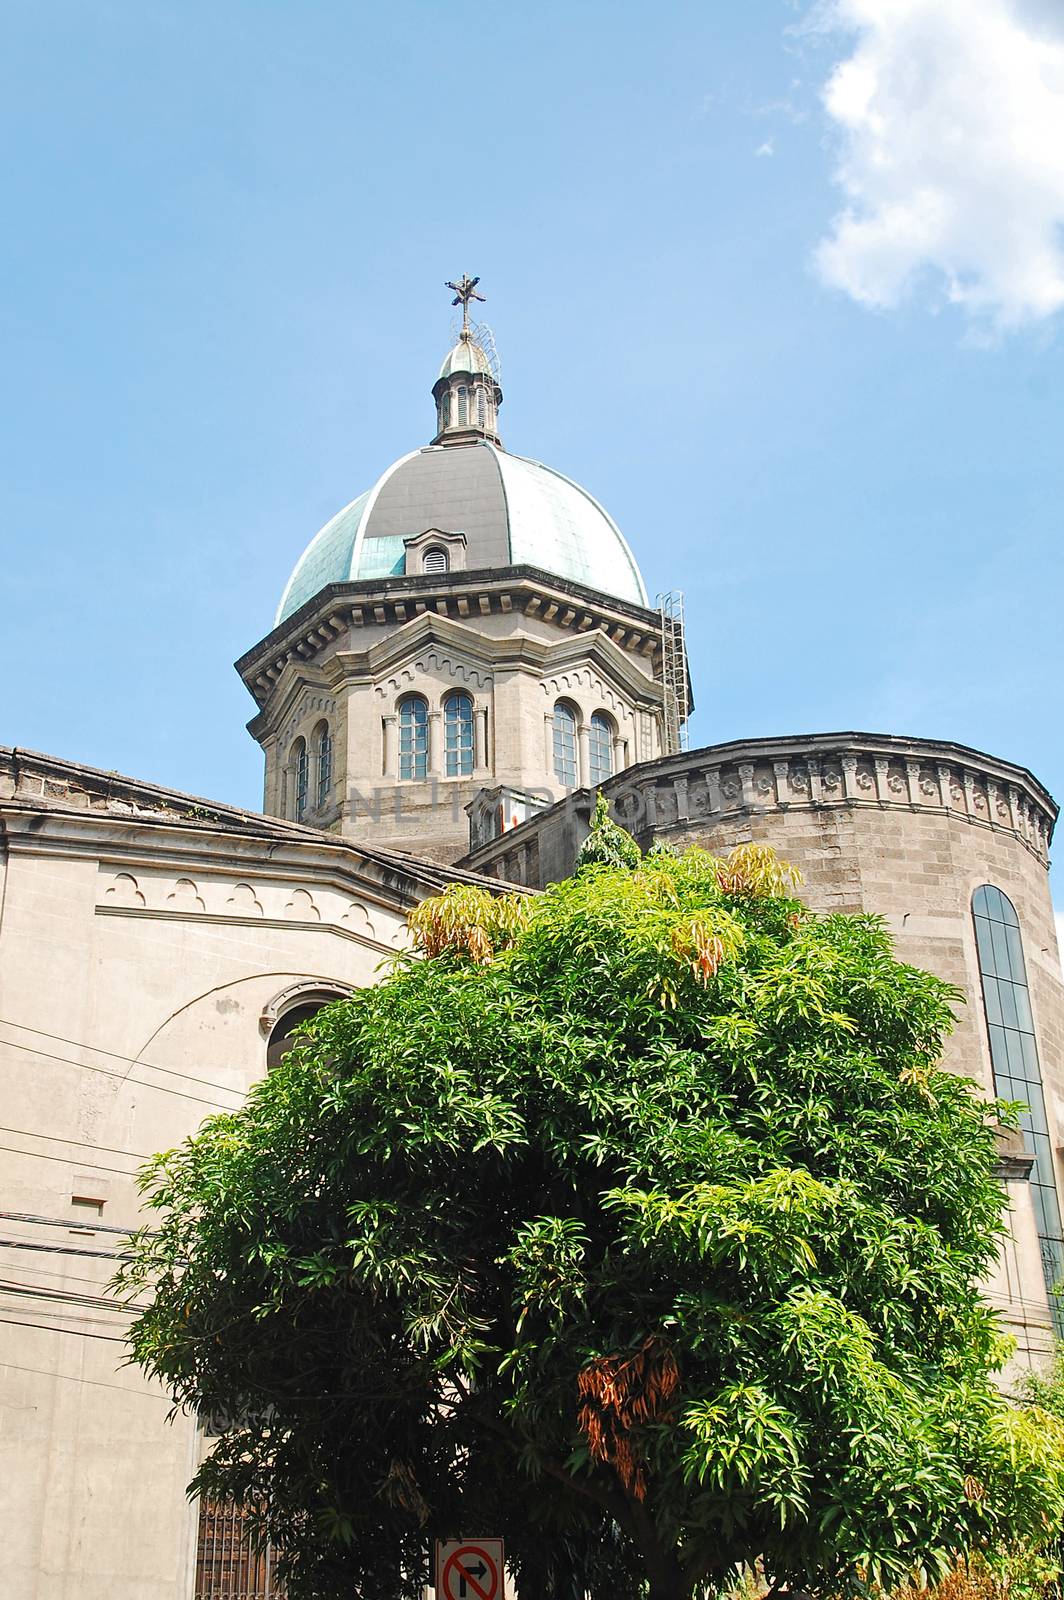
635	1223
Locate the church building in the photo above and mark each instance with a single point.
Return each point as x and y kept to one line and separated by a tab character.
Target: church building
460	659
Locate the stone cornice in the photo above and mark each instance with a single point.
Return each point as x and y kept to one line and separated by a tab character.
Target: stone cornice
389	601
520	652
51	806
812	771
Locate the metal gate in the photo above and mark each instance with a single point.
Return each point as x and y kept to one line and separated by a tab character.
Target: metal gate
228	1567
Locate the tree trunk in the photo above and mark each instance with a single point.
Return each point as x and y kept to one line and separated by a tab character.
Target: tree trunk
669	1586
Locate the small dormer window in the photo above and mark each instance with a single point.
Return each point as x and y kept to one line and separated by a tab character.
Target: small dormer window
436	560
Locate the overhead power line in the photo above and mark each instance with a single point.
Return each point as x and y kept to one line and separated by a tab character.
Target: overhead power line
70	1377
115	1055
66	1161
64	1222
75	1333
82	1144
62	1250
123	1077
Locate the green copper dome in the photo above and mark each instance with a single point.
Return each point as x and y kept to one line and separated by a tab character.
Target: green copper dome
512	511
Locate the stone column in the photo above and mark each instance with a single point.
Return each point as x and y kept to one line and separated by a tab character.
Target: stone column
783	788
548	744
746	778
583	755
481	764
912	777
849	777
390	747
881	779
713	790
435	751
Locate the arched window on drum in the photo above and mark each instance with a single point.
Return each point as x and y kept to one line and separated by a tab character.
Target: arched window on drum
324	750
299	775
564	744
413	737
600	749
458	735
1017	1069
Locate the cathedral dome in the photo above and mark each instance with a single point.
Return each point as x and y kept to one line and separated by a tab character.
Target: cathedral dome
512	511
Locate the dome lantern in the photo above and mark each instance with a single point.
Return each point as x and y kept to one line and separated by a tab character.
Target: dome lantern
467	392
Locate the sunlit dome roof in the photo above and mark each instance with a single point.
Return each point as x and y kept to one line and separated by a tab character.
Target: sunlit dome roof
467	356
513	512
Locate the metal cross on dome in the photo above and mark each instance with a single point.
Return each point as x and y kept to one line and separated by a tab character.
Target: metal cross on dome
464	291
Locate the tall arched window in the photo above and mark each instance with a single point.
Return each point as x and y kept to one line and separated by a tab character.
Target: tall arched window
1014	1056
324	764
413	738
435	559
458	735
565	744
300	777
600	749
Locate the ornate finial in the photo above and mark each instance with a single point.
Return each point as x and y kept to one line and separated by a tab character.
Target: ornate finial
464	291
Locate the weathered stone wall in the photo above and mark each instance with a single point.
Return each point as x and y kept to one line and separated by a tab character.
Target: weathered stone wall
149	942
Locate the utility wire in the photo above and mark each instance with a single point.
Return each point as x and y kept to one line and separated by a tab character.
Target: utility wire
68	1161
82	1144
123	1077
132	1061
76	1333
64	1222
88	1302
62	1250
69	1377
61	1272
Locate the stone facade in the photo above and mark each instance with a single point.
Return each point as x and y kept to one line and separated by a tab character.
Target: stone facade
150	945
905	828
514	641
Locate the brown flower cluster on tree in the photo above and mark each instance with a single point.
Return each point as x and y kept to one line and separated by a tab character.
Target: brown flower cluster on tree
619	1393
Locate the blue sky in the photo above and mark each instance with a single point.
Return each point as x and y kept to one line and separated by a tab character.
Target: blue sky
227	229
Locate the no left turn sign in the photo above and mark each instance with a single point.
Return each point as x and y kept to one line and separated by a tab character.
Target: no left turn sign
469	1569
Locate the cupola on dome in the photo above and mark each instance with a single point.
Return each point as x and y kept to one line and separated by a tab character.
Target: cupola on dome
511	511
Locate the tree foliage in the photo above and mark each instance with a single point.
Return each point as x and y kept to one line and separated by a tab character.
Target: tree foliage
634	1222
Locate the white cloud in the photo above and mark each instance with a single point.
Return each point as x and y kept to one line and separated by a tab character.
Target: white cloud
766	149
951	114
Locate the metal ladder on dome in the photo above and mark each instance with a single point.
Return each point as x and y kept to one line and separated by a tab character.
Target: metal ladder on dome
673	672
